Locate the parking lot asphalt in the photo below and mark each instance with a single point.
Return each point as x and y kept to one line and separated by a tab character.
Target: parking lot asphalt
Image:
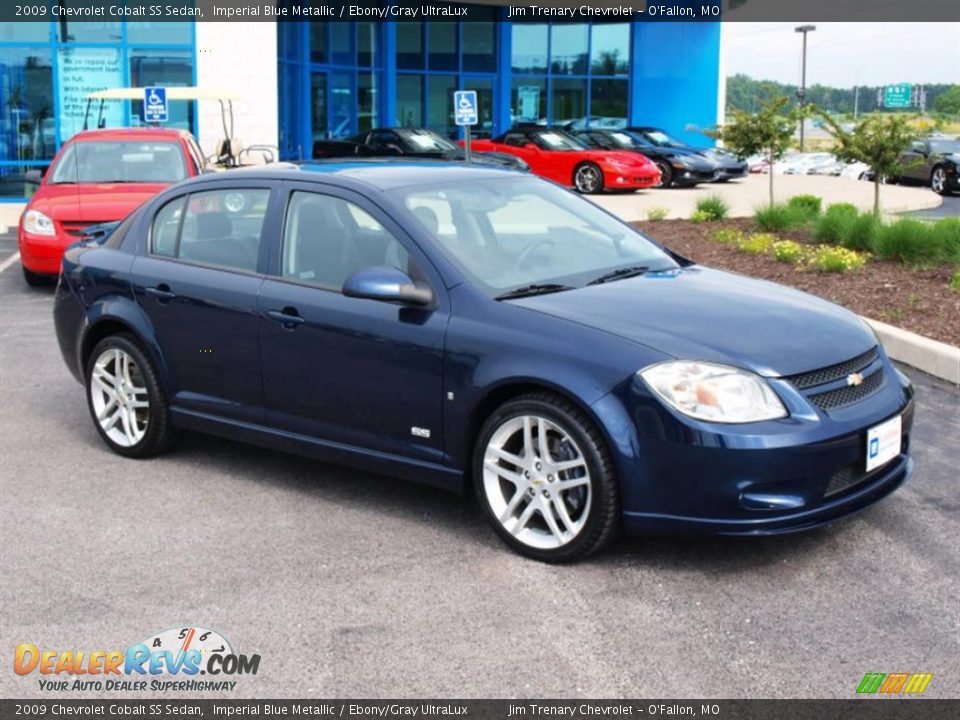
949	208
353	585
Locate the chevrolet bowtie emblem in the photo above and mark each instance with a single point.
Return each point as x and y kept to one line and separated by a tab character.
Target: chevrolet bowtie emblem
855	379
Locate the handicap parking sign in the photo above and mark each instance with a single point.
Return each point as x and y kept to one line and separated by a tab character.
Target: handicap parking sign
155	104
465	107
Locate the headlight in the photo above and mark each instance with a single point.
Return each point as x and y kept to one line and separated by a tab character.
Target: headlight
680	162
718	393
36	223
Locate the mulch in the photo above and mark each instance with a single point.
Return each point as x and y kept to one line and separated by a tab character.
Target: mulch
918	300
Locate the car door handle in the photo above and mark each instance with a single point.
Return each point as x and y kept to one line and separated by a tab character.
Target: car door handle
288	317
161	292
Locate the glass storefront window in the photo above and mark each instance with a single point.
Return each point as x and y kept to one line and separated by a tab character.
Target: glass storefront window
168	68
440	104
318	106
318	42
569	100
86	31
24	32
479	46
568	49
368	48
342	104
80	71
610	48
410	100
159	33
13	183
442	46
410	45
484	88
528	100
27	125
367	101
290	40
341	44
528	48
608	100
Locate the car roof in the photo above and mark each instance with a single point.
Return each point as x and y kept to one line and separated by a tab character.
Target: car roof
373	173
143	133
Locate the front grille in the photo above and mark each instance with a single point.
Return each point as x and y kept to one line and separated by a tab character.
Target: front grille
833	372
74	228
854	475
849	393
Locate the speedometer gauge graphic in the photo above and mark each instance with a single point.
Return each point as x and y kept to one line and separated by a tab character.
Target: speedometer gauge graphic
182	639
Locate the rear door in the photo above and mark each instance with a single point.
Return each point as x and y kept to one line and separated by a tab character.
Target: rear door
359	372
198	282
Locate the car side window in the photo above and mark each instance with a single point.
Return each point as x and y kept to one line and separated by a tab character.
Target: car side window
219	227
326	239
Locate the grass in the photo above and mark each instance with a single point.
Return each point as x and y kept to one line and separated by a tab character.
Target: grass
909	241
727	236
834	225
778	217
955	282
657	213
712	208
949	231
862	232
806	205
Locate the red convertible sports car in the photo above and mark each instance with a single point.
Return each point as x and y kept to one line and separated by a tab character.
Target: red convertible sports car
557	156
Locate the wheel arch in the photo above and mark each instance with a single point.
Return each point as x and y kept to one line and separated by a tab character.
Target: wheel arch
583	163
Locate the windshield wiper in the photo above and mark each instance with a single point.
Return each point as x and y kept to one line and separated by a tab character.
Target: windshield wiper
620	274
535	289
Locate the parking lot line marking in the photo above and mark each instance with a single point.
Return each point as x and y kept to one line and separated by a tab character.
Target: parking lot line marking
9	261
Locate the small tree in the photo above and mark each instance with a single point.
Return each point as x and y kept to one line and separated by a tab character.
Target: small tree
878	141
769	131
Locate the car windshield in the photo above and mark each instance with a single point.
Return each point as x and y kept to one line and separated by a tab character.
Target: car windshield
426	140
511	233
120	161
948	147
559	142
622	139
658	137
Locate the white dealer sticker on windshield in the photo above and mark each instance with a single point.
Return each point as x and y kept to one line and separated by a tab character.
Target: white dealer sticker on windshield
883	443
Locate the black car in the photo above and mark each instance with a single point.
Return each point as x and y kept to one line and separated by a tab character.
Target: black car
934	162
410	142
731	166
680	167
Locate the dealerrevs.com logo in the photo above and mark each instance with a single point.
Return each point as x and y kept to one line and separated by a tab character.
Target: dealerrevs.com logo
173	659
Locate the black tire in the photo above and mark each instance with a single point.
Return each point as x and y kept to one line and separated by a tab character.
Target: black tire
938	181
666	174
35	279
159	432
580	175
602	522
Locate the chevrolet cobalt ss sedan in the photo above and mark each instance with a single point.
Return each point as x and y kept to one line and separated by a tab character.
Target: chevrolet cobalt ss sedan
479	328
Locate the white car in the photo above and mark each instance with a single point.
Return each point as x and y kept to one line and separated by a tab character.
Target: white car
855	171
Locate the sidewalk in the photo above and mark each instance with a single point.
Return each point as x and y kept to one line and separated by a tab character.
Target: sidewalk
744	196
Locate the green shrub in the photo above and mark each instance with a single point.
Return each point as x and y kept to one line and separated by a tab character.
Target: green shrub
714	206
834	225
727	236
778	217
910	241
955	282
836	259
806	205
862	232
788	251
657	213
757	243
700	216
948	230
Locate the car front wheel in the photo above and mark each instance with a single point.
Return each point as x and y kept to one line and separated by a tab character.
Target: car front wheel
126	402
938	181
588	178
545	478
34	279
666	175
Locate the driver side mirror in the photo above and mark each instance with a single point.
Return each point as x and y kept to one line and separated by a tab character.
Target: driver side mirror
393	149
387	284
920	148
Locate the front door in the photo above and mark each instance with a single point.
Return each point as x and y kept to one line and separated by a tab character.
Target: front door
357	372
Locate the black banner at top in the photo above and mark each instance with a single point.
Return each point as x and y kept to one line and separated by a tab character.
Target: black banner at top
13	11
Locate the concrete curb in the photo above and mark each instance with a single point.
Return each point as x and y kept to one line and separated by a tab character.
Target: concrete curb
931	356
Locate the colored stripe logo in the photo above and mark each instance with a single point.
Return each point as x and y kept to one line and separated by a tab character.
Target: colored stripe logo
894	683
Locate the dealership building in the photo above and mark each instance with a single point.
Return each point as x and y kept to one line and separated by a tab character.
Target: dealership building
298	82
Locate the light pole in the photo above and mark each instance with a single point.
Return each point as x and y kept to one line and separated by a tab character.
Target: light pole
802	92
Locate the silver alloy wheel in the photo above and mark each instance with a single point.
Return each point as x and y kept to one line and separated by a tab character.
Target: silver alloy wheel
587	179
537	482
120	398
938	181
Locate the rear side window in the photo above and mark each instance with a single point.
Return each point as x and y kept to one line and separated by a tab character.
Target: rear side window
221	228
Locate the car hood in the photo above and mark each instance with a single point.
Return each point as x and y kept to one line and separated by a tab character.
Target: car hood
103	202
704	314
625	157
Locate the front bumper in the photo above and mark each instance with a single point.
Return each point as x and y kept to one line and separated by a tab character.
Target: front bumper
42	253
694	176
731	172
629	178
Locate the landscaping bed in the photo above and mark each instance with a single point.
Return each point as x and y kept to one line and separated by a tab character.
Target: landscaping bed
916	299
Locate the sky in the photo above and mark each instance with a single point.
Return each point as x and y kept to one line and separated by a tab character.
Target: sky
846	54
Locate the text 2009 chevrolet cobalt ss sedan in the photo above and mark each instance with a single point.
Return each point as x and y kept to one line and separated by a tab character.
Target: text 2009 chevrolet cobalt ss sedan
464	326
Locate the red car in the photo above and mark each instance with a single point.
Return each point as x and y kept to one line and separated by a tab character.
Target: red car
99	176
557	156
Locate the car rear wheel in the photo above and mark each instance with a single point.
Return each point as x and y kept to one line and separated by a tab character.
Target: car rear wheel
666	174
126	403
545	478
588	178
938	181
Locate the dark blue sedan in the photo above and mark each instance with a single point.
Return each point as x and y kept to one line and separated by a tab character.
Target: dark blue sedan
469	327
